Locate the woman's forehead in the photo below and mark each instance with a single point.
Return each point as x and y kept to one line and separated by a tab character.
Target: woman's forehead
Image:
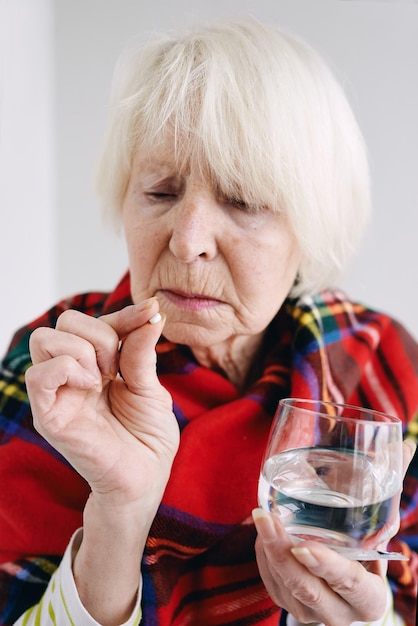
166	159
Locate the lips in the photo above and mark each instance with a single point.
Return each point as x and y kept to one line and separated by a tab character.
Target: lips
190	301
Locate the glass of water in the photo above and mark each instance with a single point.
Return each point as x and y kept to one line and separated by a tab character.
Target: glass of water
333	473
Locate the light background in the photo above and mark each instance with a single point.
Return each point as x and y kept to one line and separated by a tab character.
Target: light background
56	63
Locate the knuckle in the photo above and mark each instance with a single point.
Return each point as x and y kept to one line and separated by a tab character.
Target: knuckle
37	423
98	336
349	584
345	587
82	351
33	375
38	335
354	589
30	375
65	362
67	318
307	595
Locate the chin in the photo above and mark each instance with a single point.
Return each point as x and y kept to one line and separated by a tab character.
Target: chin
192	335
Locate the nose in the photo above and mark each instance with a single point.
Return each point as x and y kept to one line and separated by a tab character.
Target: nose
194	226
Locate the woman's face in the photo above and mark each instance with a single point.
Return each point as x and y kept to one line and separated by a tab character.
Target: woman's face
219	268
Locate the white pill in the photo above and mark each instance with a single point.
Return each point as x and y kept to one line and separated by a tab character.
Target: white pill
155	319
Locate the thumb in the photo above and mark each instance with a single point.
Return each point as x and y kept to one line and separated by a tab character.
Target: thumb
137	356
132	316
408	450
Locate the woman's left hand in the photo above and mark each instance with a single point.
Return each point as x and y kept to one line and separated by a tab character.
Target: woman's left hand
315	583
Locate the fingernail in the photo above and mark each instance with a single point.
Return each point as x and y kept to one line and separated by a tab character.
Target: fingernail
155	319
304	556
264	524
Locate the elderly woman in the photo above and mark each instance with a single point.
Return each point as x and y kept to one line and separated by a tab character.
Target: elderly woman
235	166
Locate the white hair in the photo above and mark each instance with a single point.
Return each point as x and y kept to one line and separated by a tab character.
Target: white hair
260	112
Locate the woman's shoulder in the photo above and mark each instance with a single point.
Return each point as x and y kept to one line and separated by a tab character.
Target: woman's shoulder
333	308
367	355
333	321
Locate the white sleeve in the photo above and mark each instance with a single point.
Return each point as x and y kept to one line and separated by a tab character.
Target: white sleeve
390	618
60	605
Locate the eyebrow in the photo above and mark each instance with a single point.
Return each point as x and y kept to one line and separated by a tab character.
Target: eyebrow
154	178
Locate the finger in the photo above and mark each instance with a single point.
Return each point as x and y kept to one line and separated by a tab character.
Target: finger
45	379
106	332
100	335
318	583
361	590
138	357
267	529
128	319
131	317
408	450
288	582
47	343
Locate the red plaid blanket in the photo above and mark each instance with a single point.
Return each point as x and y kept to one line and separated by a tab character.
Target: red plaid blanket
199	565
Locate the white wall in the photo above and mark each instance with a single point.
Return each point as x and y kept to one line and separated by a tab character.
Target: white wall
373	48
28	235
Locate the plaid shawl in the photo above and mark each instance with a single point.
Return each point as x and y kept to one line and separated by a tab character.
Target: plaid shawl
199	565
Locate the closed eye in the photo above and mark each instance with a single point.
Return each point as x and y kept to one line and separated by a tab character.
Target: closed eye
158	195
238	203
246	207
163	190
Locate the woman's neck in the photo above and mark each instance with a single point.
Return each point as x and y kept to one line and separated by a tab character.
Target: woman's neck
234	358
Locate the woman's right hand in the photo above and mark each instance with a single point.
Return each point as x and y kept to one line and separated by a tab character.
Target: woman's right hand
118	431
96	398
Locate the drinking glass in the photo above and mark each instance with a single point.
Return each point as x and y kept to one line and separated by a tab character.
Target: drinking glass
333	473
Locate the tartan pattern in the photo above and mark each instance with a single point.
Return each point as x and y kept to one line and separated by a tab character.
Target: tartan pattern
199	563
